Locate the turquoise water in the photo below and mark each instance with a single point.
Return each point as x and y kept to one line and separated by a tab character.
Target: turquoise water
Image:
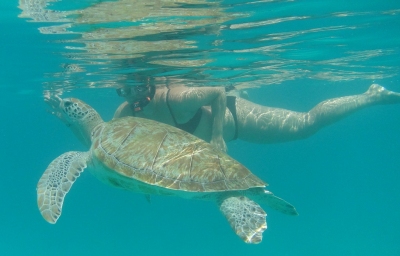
291	54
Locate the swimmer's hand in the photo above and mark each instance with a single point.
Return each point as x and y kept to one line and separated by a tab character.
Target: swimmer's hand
219	143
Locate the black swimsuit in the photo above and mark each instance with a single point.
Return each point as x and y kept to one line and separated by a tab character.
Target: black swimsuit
191	125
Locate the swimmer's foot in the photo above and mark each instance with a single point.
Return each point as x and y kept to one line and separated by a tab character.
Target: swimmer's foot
382	96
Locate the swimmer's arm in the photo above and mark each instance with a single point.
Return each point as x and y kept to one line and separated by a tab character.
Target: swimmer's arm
193	98
123	110
218	108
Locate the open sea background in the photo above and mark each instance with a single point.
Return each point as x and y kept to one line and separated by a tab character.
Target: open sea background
344	180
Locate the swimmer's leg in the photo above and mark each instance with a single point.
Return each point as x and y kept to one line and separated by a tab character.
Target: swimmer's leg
332	110
270	125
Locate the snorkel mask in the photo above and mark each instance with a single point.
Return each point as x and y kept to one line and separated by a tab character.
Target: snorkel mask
142	100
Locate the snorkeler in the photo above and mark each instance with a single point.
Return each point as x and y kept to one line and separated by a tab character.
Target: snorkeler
214	116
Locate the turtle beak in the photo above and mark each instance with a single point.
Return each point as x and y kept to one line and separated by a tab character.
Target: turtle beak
55	103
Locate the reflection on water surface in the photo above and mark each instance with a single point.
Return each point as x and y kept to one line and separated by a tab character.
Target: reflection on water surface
214	43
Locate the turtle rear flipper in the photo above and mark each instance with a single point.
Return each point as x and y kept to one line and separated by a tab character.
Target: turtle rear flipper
246	217
56	181
265	197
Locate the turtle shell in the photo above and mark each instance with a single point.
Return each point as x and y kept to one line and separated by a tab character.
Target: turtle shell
165	156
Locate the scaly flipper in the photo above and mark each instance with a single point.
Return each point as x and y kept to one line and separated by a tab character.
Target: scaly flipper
56	182
246	217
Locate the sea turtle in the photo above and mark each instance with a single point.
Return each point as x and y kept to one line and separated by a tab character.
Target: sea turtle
145	156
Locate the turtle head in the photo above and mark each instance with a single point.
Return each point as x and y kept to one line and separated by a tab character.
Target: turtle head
77	115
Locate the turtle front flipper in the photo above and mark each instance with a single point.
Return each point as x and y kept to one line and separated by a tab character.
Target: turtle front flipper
56	181
246	217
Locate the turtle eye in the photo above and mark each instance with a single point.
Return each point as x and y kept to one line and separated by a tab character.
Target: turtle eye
67	104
